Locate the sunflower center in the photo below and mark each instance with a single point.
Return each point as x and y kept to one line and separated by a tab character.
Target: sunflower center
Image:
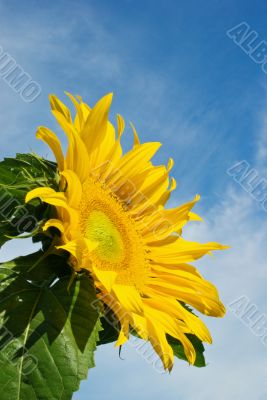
101	229
104	220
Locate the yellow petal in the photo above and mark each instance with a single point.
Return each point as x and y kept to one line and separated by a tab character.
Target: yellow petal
76	248
77	158
50	196
124	333
135	161
182	251
53	142
165	222
153	186
74	188
160	344
176	310
163	322
95	128
128	297
194	217
45	193
106	278
54	223
170	164
121	125
140	325
57	105
136	138
205	301
104	150
182	270
79	118
165	197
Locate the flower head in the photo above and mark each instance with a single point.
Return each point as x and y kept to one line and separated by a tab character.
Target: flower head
111	215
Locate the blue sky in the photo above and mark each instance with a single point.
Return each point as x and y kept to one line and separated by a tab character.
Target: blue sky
177	75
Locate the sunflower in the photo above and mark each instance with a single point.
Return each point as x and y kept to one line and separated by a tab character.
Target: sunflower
111	216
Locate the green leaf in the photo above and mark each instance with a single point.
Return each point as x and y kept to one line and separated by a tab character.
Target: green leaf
48	331
111	328
179	350
18	176
37	268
